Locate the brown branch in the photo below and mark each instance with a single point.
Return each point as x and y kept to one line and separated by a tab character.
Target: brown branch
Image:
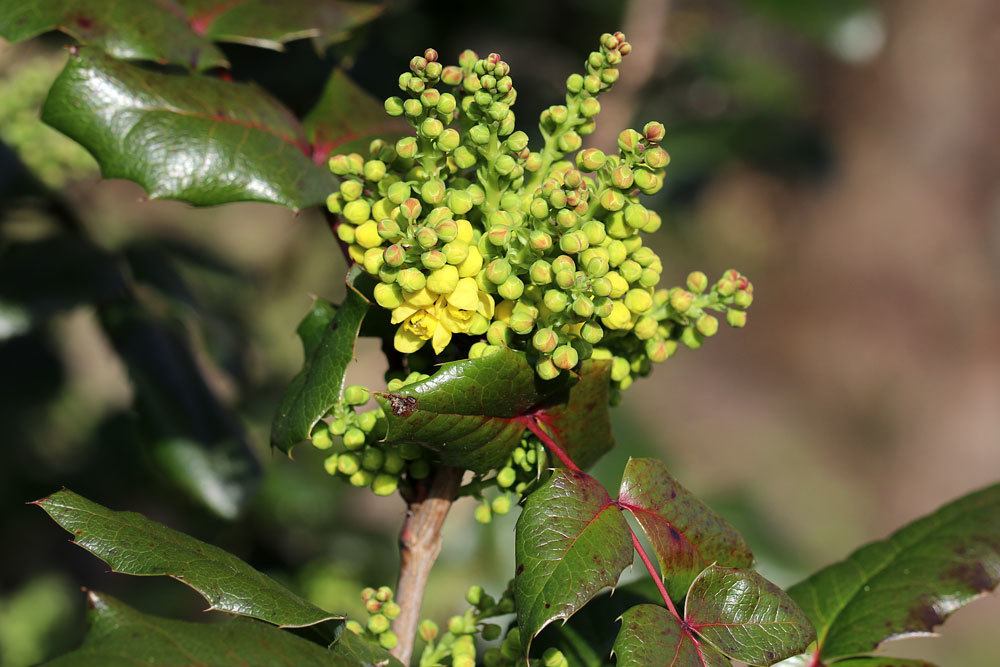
419	546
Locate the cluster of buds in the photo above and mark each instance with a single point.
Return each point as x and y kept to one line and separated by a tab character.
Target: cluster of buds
358	457
469	232
382	610
458	643
523	470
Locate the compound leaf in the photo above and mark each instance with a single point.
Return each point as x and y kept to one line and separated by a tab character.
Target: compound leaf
570	542
685	533
132	544
908	583
193	138
650	635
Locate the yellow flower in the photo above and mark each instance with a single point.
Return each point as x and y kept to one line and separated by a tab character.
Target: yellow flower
429	317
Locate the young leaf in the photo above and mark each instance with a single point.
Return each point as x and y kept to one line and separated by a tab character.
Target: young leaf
132	544
746	616
189	137
908	583
570	542
650	635
135	29
346	118
466	410
686	534
270	25
120	636
583	423
329	349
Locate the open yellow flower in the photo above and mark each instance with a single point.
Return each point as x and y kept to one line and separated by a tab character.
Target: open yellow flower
425	316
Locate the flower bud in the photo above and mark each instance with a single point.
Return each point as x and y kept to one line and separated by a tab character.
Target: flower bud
743	298
433	259
498	271
646	181
321	438
501	505
680	300
591	332
512	288
590	159
555	300
443	280
545	340
697	282
480	134
388	640
590	107
354	438
521	322
621	177
355	394
612	200
384	484
573	243
569	141
565	357
594	231
707	325
348	463
735	318
483	514
656	158
411	280
628	140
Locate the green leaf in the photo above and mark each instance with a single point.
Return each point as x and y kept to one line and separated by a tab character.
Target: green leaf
318	387
120	636
650	635
270	25
189	137
465	412
570	542
685	533
346	118
746	616
195	439
130	29
583	424
908	583
132	544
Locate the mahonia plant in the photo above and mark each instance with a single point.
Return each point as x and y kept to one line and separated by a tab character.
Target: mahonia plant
516	299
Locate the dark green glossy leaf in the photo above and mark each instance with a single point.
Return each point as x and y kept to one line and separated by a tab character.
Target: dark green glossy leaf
746	616
194	439
194	138
347	118
583	424
910	582
132	544
570	542
329	350
122	636
685	533
269	24
650	635
466	411
587	638
130	29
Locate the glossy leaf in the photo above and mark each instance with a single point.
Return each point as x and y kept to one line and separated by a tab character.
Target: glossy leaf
650	635
346	118
130	29
132	544
189	137
318	387
465	412
269	25
194	439
570	542
120	636
910	582
583	423
746	617
685	533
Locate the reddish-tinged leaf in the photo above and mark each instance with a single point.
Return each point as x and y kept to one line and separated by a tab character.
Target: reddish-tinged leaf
571	541
650	635
582	425
686	534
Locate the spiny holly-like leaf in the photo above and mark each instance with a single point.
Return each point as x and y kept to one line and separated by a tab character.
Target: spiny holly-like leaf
686	534
269	24
120	636
329	349
650	635
189	137
466	411
132	544
746	616
908	583
570	542
131	29
583	423
346	118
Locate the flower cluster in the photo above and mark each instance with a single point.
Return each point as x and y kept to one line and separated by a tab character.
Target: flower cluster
524	469
471	233
382	610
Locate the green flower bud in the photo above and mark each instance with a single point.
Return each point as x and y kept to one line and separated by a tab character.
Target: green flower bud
545	340
398	192
367	420
348	463
743	298
517	141
447	230
391	610
735	318
540	272
372	459
407	147
707	325
594	231
411	280
512	288
612	200
321	438
565	357
619	369
691	338
393	463
504	165
480	134
636	215
563	263
351	190
338	426
354	438
539	208
388	230
384	484
456	252
573	243
559	114
506	477
388	640
566	279
621	177
521	322
601	286
567	219
583	307
498	271
649	278
569	141
539	240
681	300
555	300
464	158
483	515
432	192
656	158
591	332
339	165
420	469
554	658
498	235
629	140
428	630
460	202
355	394
498	333
501	505
574	83
354	627
697	282
590	107
426	237
490	632
646	181
590	159
618	285
361	478
546	370
659	350
630	270
645	327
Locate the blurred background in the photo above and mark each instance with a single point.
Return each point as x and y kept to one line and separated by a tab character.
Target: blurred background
845	155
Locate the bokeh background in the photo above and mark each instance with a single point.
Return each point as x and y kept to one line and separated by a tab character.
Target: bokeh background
844	154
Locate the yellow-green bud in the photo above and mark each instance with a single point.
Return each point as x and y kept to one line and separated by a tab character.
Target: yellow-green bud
372	459
540	272
354	627
573	243
501	505
411	280
591	332
521	322
619	318
388	640
394	463
545	340
483	515
565	357
426	237
348	463
407	147
351	190
367	420
512	288
645	327
361	478
498	271
354	438
619	369
659	350
357	211
583	307
464	158
555	300
680	300
506	477
384	484
321	437
707	325
394	256
697	282
594	231
428	630
590	159
735	318
743	298
656	157
355	394
459	201
612	200
443	280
